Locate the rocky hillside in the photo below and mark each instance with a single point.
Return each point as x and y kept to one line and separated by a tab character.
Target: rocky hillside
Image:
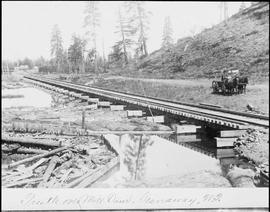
242	42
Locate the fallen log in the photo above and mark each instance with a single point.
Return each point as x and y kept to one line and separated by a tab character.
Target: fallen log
23	150
38	156
74	131
31	141
78	180
20	177
29	169
93	175
98	174
22	182
65	176
52	164
37	164
10	96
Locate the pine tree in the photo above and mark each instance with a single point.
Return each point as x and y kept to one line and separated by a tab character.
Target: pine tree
117	54
139	19
57	46
167	39
75	53
91	23
126	31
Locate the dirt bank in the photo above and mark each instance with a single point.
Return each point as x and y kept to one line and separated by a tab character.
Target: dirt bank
254	145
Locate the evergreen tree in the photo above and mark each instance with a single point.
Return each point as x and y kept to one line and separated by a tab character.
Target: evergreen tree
76	54
139	19
40	61
126	31
117	54
91	23
167	39
57	47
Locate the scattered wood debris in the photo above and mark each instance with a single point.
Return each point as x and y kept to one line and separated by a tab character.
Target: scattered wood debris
68	166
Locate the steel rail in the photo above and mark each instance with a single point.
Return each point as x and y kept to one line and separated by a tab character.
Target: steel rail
182	103
203	112
263	117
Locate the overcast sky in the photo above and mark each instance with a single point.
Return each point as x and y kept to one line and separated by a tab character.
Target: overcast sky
27	26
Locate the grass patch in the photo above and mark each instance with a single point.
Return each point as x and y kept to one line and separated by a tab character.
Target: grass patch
192	92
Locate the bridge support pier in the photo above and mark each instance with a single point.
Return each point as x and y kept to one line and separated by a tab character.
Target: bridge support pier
104	104
117	107
93	100
155	119
225	142
187	128
136	113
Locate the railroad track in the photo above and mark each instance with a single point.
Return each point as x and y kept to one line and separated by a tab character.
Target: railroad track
204	113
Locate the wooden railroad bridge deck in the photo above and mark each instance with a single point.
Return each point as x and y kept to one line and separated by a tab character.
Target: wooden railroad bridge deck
201	113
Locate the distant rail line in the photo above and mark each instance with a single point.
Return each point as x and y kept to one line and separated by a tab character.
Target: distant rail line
203	112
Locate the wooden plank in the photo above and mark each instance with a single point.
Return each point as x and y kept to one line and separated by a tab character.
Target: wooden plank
78	95
37	164
224	142
188	138
155	119
22	176
52	164
91	107
94	100
100	172
19	183
37	157
134	113
231	133
31	141
23	150
65	176
225	153
79	179
188	128
128	132
211	105
84	98
117	107
227	160
104	103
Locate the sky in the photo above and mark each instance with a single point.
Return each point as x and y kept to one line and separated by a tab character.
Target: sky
27	25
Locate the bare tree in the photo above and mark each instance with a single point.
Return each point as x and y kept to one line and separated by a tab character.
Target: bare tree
57	46
167	39
91	23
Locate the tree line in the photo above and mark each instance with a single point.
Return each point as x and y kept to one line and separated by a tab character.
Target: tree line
132	29
131	46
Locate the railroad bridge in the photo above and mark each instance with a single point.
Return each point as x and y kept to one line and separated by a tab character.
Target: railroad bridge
225	123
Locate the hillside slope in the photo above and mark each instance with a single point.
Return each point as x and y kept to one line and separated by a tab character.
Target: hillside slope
242	42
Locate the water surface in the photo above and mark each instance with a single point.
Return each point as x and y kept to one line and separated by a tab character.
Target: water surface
32	98
152	161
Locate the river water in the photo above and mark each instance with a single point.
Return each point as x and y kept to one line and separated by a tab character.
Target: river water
32	98
152	161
